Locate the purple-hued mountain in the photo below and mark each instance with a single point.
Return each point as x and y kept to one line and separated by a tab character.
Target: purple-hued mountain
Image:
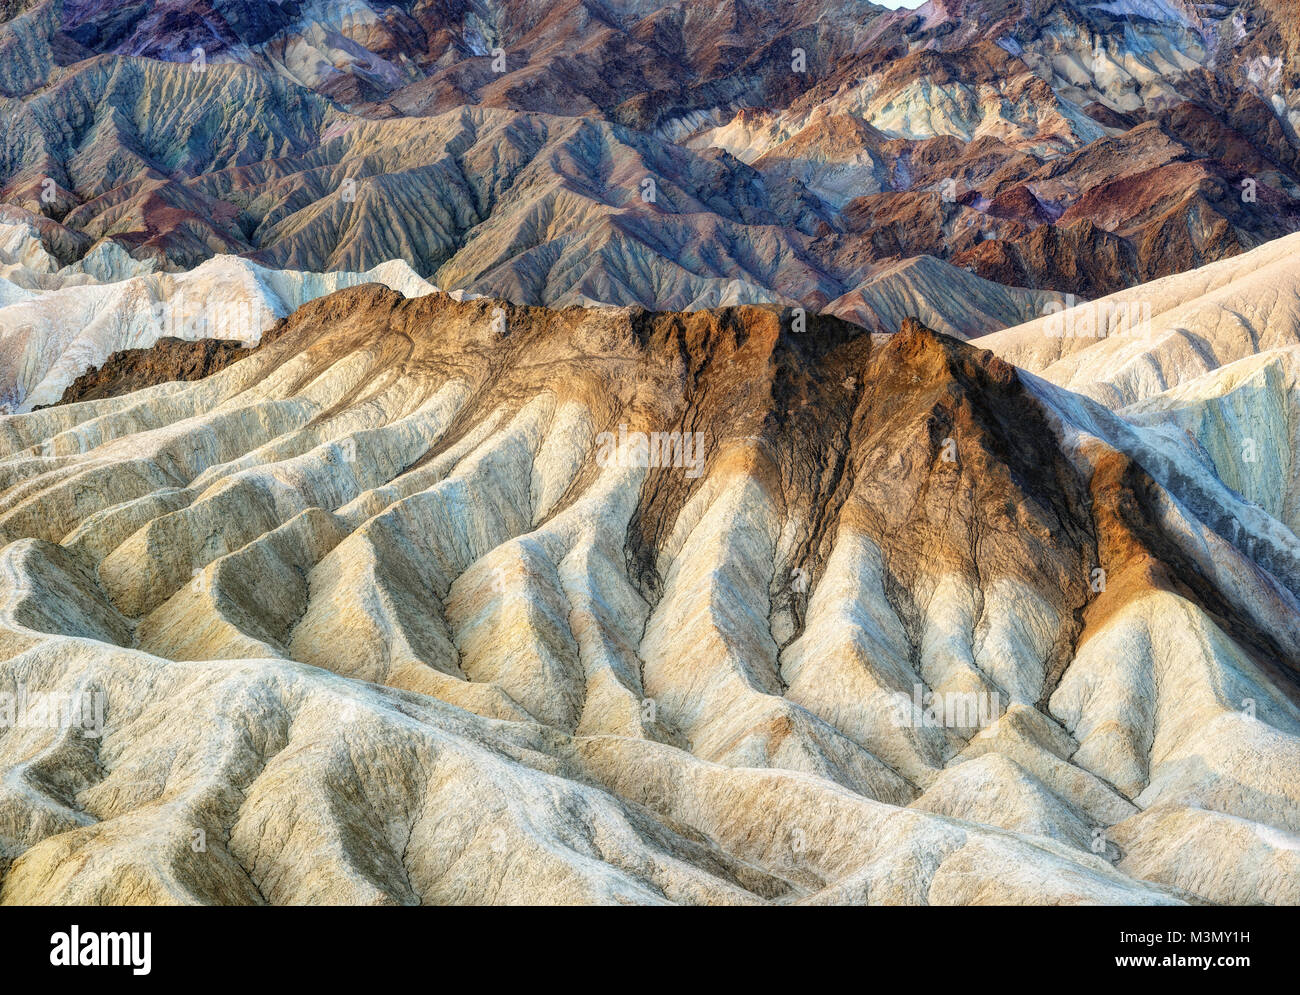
671	155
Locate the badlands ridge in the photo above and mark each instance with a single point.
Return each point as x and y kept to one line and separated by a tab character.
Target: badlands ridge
437	600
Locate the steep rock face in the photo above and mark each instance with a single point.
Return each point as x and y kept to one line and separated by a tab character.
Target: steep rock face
1240	420
455	631
166	361
1080	259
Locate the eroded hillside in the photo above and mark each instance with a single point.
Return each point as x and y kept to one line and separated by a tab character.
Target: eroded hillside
402	608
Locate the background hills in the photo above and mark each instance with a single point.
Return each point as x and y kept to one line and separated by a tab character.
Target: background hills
794	150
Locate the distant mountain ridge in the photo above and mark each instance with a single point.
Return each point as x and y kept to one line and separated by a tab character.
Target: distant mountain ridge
674	156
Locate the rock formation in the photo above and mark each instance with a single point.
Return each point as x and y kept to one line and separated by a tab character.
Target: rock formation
58	322
430	600
851	459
